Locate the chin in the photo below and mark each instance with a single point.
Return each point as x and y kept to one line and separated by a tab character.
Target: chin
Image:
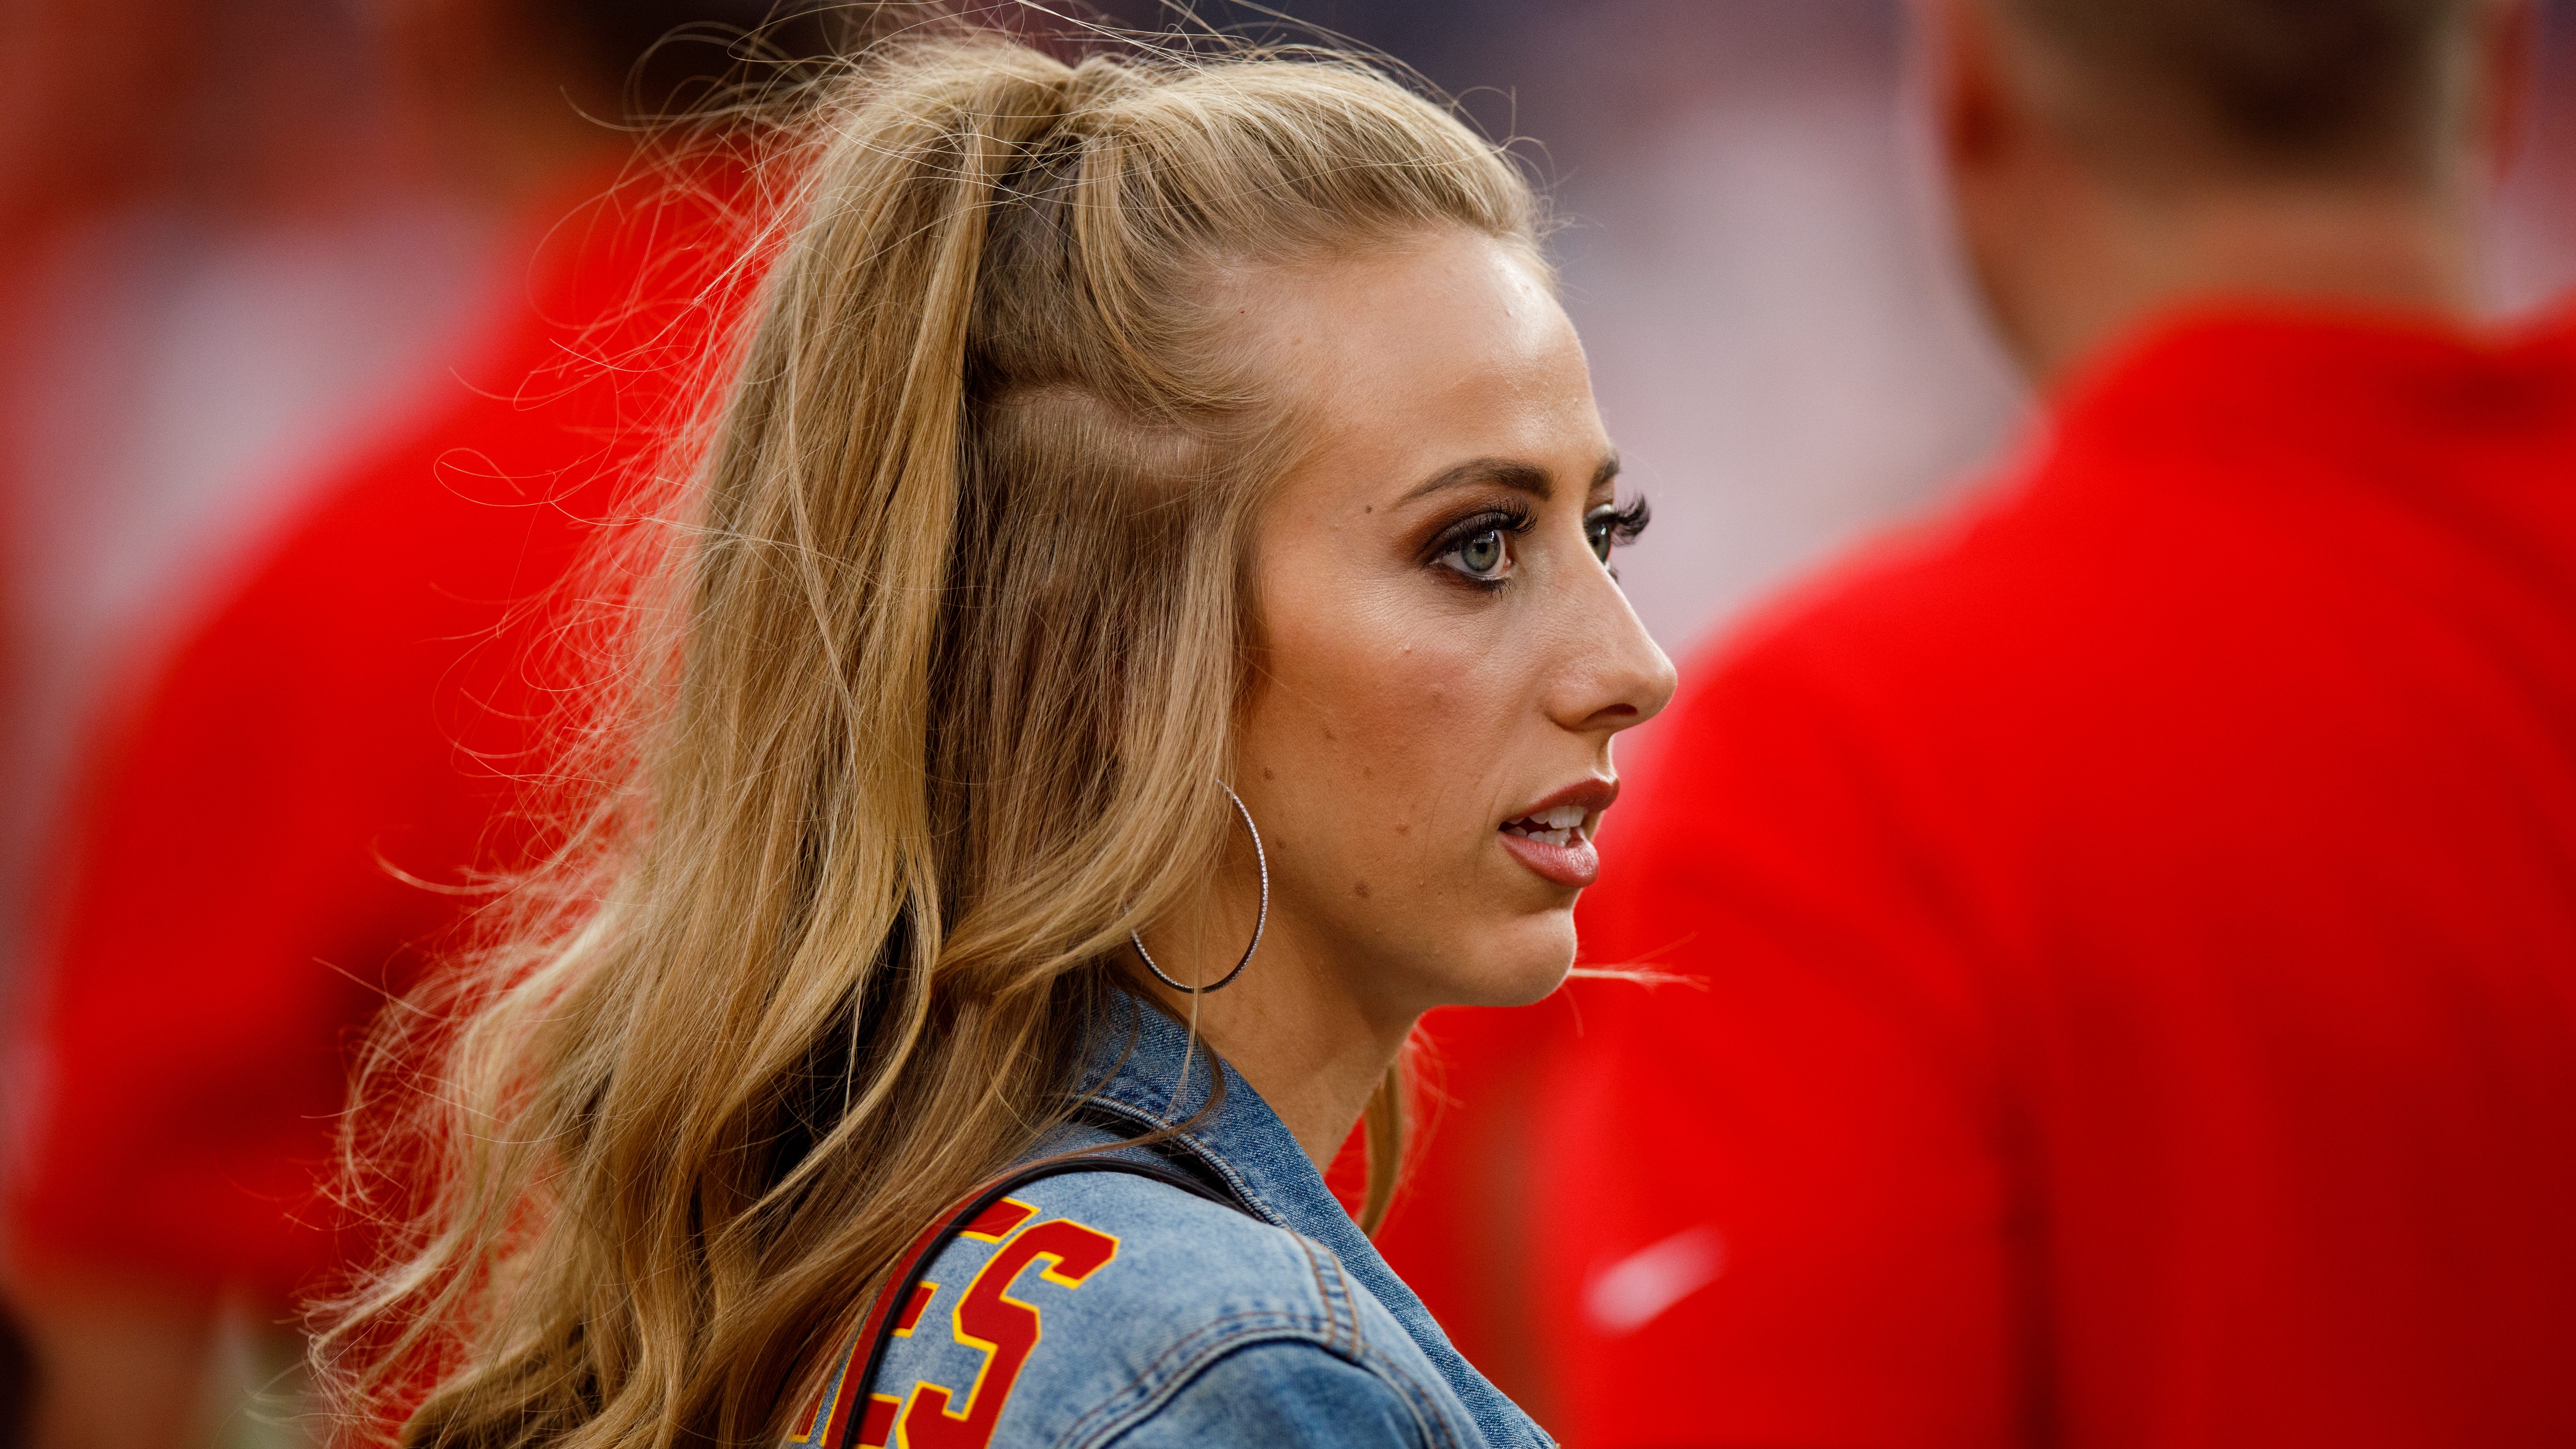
1519	964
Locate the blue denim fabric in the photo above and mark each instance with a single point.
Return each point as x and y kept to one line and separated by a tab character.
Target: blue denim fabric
1143	1316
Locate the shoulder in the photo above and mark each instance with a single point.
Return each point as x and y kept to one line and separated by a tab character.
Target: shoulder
1113	1246
1926	645
2026	566
1093	1308
1282	1395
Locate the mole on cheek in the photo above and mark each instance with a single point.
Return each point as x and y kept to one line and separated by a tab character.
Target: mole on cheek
1268	774
1360	889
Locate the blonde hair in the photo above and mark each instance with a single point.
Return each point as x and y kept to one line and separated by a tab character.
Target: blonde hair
938	707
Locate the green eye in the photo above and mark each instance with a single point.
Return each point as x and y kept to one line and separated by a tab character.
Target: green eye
1482	554
1478	548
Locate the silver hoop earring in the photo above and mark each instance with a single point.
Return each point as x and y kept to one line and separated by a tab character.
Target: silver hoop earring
1260	858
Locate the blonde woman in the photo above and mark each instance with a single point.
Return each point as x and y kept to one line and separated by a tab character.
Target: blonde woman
1149	638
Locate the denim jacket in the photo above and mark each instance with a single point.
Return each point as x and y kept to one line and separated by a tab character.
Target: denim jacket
1103	1308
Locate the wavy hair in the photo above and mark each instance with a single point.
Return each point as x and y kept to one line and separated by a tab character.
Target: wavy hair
931	706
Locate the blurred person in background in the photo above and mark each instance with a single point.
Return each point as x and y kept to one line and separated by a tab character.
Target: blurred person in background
221	257
2128	929
279	816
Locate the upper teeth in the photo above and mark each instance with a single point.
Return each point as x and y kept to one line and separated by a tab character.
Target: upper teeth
1548	827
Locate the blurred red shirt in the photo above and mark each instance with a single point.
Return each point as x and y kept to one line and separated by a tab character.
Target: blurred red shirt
270	843
2131	934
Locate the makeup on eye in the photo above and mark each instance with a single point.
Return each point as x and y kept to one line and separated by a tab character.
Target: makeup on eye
1478	548
1605	525
1610	526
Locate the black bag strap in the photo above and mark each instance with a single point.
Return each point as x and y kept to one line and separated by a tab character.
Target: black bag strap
846	1430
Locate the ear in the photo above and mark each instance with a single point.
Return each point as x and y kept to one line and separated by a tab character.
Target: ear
1974	117
2506	54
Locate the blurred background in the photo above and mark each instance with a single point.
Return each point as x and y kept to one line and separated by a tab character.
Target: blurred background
243	240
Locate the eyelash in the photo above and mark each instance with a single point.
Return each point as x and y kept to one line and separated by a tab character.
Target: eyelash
1507	518
1625	523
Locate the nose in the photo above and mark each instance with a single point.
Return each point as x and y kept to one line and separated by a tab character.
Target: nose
1614	676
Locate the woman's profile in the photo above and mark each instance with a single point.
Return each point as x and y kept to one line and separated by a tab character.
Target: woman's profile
1144	635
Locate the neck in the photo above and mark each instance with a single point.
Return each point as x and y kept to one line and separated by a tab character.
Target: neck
2114	261
1290	1024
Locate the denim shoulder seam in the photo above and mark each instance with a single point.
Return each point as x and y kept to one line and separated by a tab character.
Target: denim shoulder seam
1333	1289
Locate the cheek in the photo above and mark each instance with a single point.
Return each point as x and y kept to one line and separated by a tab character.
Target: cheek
1382	736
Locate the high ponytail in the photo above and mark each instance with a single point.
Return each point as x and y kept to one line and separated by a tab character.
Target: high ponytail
930	709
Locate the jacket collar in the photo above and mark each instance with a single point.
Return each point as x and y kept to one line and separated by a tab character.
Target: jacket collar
1144	1067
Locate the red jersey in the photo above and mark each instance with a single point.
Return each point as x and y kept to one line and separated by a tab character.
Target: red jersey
257	859
2130	941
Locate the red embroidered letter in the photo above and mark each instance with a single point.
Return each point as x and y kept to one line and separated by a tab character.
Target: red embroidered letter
989	1318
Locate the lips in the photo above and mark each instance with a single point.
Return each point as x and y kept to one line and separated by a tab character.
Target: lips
1553	836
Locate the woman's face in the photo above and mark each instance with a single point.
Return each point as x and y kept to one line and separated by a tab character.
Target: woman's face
1445	652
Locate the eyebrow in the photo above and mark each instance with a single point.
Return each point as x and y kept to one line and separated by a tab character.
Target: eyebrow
1520	477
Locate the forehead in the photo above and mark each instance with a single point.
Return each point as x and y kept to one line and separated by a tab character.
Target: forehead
1425	351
